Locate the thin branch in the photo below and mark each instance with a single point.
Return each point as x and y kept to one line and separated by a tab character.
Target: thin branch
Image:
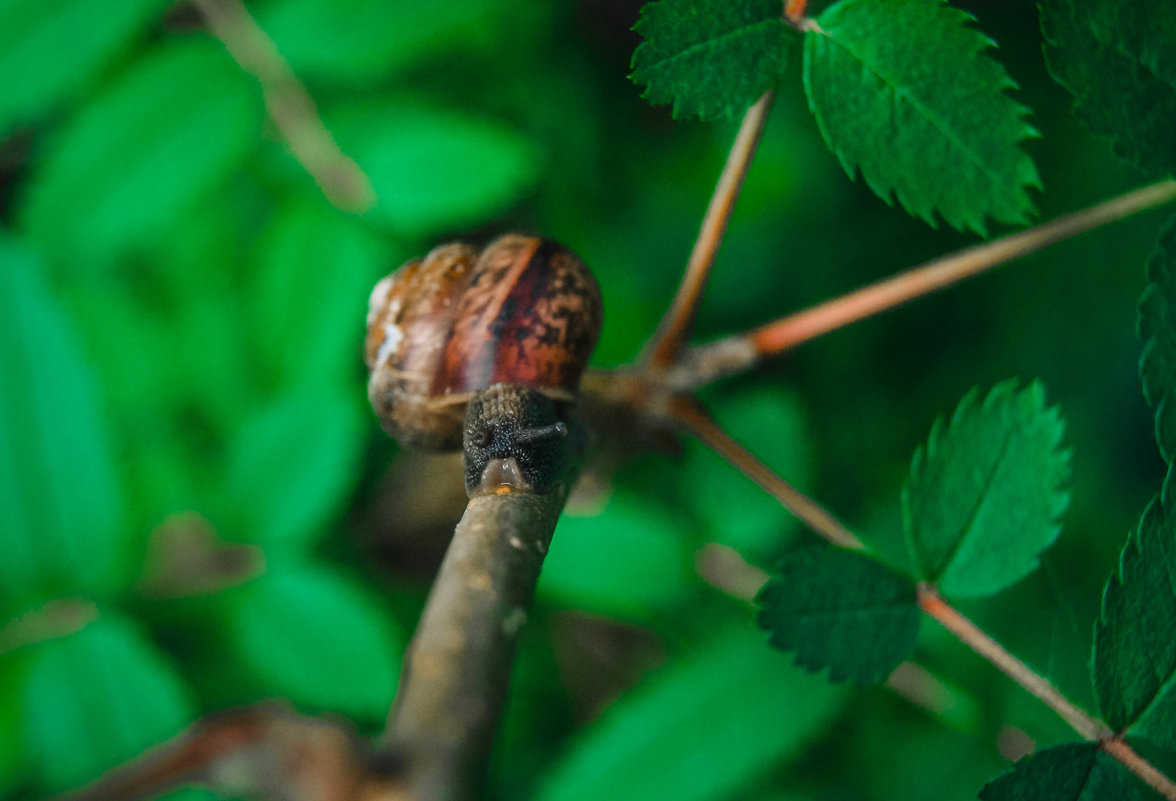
1128	758
675	327
890	293
975	638
289	105
690	415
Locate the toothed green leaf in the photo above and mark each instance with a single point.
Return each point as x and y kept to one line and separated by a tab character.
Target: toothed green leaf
1157	329
710	58
841	610
1118	61
1074	772
903	91
985	493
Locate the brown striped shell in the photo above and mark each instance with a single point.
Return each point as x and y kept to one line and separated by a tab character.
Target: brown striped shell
524	311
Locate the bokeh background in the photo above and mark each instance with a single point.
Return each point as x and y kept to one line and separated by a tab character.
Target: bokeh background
198	510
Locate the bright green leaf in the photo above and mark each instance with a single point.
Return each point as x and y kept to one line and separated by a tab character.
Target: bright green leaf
903	91
984	495
434	169
97	698
60	501
126	168
49	52
309	634
363	40
1118	61
702	728
1157	329
733	509
1076	772
841	610
629	561
710	58
316	266
1134	665
291	467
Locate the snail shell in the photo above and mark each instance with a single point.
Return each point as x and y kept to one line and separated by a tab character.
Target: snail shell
525	311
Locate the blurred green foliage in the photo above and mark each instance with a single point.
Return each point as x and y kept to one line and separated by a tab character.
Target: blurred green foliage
181	314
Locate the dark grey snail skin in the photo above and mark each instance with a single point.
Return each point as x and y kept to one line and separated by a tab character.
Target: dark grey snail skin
514	441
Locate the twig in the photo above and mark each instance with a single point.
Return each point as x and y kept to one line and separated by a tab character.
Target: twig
1128	758
690	415
975	638
289	105
675	327
726	357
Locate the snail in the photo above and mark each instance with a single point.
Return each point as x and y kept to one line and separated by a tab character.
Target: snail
523	313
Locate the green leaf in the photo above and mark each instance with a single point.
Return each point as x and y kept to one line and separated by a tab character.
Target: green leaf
734	510
710	58
630	561
60	502
434	169
1117	60
903	91
984	495
1157	329
49	52
841	610
1075	772
313	265
702	728
307	633
1134	664
126	168
360	41
97	698
291	468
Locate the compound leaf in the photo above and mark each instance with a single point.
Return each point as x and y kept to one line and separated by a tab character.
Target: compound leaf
841	610
309	634
1073	772
710	58
61	505
49	52
132	161
984	495
1118	61
903	91
702	728
1157	329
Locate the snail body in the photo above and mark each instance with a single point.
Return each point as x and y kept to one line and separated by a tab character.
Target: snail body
525	312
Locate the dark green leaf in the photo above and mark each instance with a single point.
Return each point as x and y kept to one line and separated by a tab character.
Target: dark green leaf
628	561
291	468
434	169
363	40
1077	772
903	91
710	58
315	266
985	493
127	167
840	610
1157	329
702	728
734	511
60	502
96	698
1118	61
1134	665
49	52
311	635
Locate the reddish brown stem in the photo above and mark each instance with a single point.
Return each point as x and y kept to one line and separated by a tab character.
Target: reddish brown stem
675	327
690	415
943	272
1128	758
